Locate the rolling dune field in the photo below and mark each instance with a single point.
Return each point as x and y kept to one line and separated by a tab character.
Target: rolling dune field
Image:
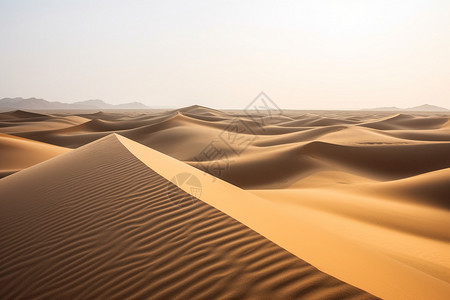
197	203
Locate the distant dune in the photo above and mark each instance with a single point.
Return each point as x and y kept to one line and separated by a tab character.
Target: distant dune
314	205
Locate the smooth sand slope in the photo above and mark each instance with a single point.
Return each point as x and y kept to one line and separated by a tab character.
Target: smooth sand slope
327	241
371	186
20	121
99	223
19	153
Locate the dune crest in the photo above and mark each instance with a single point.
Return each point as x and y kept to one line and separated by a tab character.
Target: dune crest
90	225
353	257
370	186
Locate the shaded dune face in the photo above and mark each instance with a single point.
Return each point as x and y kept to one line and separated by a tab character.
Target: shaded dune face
378	181
98	223
19	153
21	115
284	148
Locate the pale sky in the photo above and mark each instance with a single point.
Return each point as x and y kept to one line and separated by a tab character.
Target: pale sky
303	54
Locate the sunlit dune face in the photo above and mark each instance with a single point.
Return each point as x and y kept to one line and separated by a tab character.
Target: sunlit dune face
257	196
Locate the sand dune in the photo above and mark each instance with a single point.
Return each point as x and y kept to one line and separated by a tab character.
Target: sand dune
19	153
20	115
370	186
431	189
406	121
321	231
90	225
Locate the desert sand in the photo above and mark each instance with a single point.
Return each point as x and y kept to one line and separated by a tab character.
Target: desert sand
201	203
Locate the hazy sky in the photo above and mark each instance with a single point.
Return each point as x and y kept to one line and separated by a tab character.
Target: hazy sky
303	54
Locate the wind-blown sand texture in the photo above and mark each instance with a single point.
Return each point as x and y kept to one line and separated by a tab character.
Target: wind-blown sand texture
362	196
97	223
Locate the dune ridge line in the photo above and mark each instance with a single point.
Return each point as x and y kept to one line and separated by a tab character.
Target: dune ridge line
97	223
332	254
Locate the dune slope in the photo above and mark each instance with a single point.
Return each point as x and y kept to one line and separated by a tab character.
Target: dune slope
360	195
310	234
98	223
19	153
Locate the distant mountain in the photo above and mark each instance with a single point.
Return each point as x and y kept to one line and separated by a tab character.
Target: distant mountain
31	103
387	108
100	104
425	107
41	104
131	105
